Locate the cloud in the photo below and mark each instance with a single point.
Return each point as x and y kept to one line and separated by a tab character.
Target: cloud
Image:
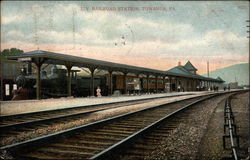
66	28
108	26
10	19
15	33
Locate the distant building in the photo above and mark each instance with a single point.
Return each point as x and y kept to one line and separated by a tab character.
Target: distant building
246	86
233	85
190	80
188	66
221	85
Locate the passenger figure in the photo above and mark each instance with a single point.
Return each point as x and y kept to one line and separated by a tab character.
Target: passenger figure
20	94
179	88
98	92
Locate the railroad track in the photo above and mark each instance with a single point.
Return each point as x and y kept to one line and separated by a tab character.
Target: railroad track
13	125
99	139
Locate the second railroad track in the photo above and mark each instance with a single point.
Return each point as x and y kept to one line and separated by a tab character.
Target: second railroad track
98	140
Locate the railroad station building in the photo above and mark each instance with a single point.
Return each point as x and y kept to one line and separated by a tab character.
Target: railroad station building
183	83
48	74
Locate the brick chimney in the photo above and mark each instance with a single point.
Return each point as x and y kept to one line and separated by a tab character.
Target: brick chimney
179	63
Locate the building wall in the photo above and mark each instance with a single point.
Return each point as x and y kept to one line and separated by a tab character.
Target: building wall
9	72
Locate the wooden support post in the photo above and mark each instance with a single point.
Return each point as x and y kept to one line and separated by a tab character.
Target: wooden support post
147	84
196	82
176	83
170	84
190	84
69	91
38	82
193	85
92	88
2	89
125	82
38	62
156	84
163	81
137	76
110	82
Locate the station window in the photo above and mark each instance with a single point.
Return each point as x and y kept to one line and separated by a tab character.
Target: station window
7	89
14	86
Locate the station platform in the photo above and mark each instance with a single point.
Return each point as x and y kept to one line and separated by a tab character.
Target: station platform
28	106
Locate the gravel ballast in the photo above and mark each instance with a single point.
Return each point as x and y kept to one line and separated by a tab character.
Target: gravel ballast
211	146
184	141
87	119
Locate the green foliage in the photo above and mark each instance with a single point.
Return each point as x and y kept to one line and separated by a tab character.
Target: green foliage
10	52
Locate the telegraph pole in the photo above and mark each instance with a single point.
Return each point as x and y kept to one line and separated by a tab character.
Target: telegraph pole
207	68
1	72
248	27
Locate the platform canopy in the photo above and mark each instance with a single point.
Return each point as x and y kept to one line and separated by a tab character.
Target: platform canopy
64	59
46	57
40	57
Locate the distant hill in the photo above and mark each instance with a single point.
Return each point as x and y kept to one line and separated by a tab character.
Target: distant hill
240	72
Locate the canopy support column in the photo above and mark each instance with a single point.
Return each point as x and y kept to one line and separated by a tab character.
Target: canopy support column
125	82
176	82
1	72
163	83
68	66
69	80
147	84
170	83
92	88
110	83
156	84
38	62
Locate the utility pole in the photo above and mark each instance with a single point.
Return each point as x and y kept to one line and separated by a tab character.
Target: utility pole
1	72
248	27
207	68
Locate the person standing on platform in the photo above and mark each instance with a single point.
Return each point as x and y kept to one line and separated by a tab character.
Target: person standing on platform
179	88
20	94
98	92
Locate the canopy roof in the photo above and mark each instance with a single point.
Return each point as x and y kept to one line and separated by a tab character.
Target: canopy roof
63	59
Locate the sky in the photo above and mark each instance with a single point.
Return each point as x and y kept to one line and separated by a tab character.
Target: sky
149	34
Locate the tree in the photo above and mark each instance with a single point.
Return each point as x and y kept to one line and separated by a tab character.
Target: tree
10	52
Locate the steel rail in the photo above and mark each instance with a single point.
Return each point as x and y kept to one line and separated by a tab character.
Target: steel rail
118	146
39	141
229	118
43	140
88	106
48	118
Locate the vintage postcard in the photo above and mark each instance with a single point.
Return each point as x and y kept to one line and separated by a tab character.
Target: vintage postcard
124	80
